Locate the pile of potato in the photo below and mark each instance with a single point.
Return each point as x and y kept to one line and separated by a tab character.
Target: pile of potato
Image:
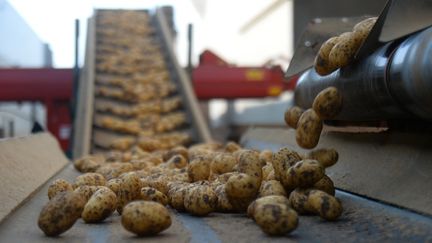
339	51
142	185
136	102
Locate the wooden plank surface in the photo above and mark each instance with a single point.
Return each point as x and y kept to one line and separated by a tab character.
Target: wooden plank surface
26	163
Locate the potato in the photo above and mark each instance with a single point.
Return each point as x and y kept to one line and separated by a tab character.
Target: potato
89	179
114	170
322	65
272	187
222	163
89	163
114	185
199	168
145	218
200	200
179	150
242	186
176	196
60	213
305	173
282	161
271	176
223	203
57	186
177	161
130	189
342	53
275	218
326	157
328	103
100	206
160	183
308	130
231	147
250	164
325	205
363	28
87	191
151	194
266	170
325	185
299	201
265	156
292	116
266	199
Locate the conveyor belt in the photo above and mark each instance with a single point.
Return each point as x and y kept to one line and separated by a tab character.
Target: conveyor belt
133	86
362	221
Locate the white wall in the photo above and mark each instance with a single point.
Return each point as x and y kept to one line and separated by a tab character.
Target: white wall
19	44
219	29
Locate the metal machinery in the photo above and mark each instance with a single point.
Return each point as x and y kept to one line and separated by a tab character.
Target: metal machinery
383	177
52	87
215	78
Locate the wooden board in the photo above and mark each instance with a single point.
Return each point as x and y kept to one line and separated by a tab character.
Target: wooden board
26	164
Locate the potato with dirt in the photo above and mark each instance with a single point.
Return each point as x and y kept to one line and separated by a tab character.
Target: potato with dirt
325	205
282	160
130	189
342	53
199	168
326	157
100	206
243	188
328	103
222	163
265	156
309	129
223	203
323	66
57	186
60	213
231	147
299	201
176	195
325	185
271	187
151	194
292	116
305	173
275	218
87	191
362	29
200	200
177	161
145	218
114	184
89	179
266	199
89	163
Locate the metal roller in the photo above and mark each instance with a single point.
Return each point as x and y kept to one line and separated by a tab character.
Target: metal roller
395	82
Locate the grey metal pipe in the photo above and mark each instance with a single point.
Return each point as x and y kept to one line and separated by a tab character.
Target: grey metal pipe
395	82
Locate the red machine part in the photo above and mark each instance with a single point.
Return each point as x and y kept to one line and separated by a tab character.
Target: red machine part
53	87
215	78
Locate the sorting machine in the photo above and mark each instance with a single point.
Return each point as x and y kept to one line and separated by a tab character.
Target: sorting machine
383	175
